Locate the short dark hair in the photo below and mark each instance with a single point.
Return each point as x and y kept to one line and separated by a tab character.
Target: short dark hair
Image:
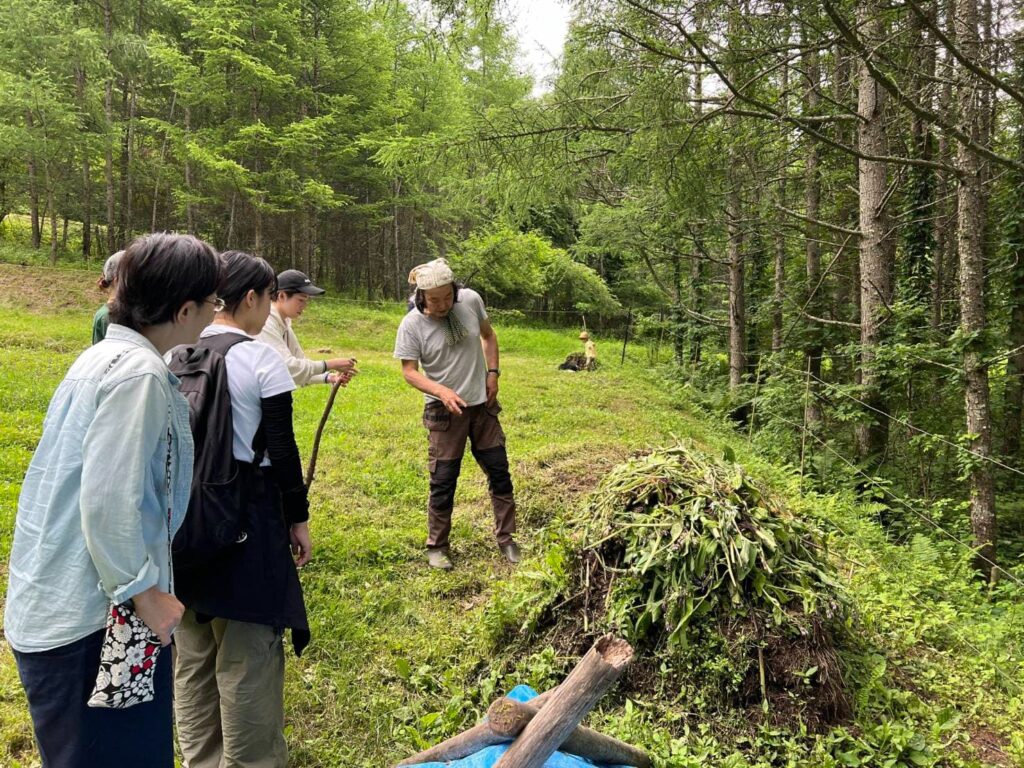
243	272
160	272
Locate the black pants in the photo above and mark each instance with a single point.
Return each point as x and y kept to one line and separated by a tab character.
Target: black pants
70	734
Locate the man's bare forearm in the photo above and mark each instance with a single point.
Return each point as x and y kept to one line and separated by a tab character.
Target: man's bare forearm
490	345
419	381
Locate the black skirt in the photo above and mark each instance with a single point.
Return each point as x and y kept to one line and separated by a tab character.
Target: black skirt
256	579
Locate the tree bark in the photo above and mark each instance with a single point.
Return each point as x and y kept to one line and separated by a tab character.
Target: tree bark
971	205
33	190
812	245
920	228
585	742
160	168
108	114
399	281
1013	393
51	204
737	292
779	276
190	215
876	246
509	724
80	84
569	704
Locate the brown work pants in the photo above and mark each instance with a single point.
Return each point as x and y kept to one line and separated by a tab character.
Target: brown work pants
446	435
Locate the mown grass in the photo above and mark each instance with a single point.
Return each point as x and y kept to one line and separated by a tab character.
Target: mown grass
375	609
403	656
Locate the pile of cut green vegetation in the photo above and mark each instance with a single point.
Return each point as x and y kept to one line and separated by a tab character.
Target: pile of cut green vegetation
729	600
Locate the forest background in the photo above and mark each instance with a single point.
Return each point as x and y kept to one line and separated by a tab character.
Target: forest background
815	205
818	205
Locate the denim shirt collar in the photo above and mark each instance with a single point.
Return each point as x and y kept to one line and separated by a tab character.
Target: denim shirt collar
124	333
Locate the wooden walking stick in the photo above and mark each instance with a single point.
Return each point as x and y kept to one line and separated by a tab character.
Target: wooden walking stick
569	704
320	432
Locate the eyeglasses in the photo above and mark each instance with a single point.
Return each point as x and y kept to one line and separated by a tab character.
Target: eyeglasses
218	303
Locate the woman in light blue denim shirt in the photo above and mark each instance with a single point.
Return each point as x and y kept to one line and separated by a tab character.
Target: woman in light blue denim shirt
98	507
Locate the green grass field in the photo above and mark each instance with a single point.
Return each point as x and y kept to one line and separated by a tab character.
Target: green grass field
376	610
400	658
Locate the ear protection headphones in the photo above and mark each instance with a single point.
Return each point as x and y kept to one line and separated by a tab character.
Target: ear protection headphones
421	302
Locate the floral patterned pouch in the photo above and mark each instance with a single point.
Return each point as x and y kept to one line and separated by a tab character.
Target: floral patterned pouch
127	661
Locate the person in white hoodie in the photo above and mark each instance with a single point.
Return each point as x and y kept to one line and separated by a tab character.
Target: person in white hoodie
294	290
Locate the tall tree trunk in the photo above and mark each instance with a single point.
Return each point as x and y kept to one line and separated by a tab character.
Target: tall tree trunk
51	204
812	246
945	235
970	244
127	148
190	214
733	213
160	168
737	295
698	280
229	238
920	206
876	247
676	316
33	190
80	83
108	114
1014	390
779	272
399	282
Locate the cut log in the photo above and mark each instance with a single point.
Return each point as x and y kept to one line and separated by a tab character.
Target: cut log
457	747
569	704
584	741
486	734
508	717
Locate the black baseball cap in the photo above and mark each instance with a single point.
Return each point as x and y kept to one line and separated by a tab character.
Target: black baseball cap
292	280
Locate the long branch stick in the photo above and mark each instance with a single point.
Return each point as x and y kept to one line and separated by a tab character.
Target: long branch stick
320	432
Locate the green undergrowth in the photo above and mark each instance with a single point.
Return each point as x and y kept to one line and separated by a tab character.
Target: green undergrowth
932	663
403	657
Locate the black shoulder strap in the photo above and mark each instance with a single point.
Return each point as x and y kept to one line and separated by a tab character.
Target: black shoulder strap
222	342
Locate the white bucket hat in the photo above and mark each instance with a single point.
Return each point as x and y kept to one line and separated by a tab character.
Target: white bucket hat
433	274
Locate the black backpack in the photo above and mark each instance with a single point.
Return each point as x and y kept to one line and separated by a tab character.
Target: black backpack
216	508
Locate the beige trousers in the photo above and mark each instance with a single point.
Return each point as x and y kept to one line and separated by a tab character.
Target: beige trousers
229	694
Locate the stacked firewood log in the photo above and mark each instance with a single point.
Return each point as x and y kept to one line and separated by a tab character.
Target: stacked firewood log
536	729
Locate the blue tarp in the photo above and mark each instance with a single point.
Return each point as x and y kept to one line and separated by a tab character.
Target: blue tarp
486	758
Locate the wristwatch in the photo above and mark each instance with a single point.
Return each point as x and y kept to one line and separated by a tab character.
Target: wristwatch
495	371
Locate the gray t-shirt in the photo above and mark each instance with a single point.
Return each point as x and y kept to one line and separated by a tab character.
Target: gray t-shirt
462	367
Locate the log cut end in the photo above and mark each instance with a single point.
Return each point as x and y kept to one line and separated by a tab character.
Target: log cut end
614	651
507	717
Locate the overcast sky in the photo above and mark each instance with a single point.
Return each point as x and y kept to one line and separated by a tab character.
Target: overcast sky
541	28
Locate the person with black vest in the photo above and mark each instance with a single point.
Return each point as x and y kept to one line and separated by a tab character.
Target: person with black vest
229	677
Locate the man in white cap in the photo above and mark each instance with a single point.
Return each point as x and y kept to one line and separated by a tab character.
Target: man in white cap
447	333
294	290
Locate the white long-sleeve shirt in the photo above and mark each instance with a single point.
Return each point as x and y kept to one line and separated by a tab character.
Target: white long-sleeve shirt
278	334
